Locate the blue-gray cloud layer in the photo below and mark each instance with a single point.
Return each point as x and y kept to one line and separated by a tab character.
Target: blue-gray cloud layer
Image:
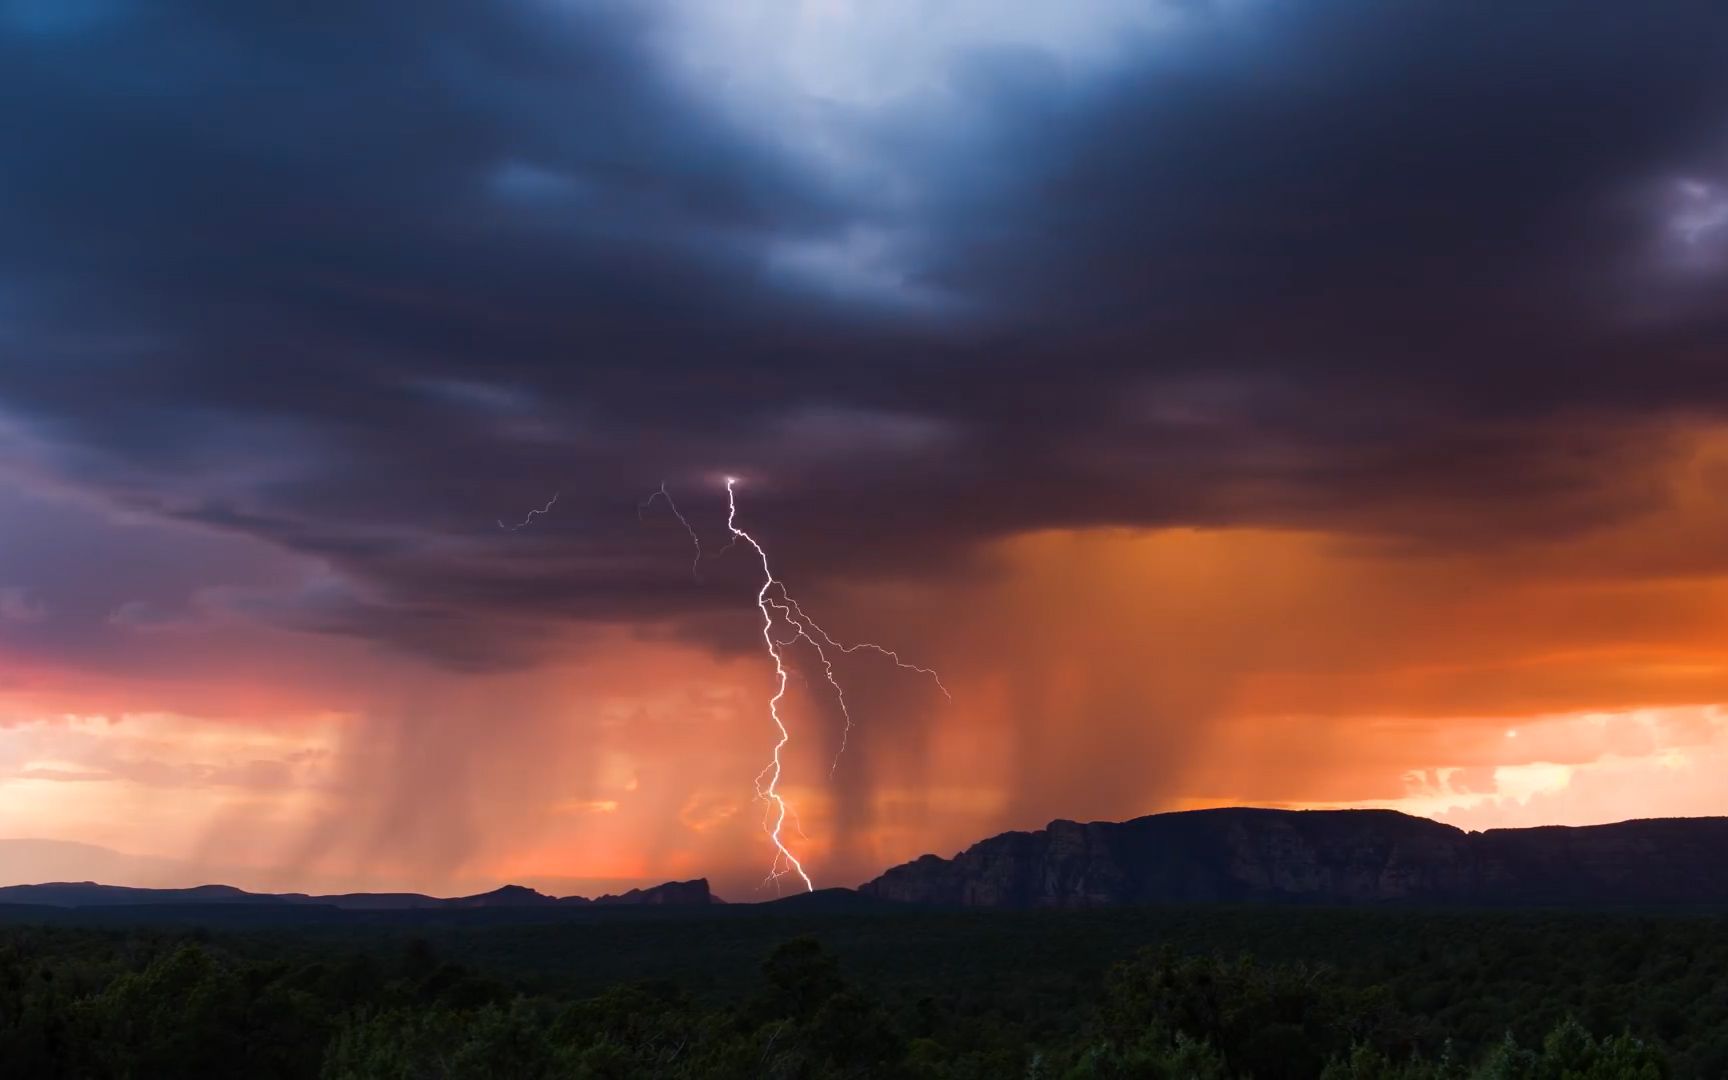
358	278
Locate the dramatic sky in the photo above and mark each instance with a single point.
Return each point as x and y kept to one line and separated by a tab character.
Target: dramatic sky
1287	402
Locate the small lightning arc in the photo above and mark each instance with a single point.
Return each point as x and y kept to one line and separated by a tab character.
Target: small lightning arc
532	514
695	540
801	620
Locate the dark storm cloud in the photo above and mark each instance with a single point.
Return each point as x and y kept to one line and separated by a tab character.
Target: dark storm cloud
358	279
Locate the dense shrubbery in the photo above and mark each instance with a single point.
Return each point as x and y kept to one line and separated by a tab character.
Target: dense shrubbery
141	1004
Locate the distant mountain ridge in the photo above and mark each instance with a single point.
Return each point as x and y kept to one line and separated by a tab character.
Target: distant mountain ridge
1230	855
1241	854
81	894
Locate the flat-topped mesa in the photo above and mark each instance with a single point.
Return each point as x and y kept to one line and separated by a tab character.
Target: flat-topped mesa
692	893
1242	854
504	896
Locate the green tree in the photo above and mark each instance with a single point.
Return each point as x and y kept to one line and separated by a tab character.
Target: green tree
182	1017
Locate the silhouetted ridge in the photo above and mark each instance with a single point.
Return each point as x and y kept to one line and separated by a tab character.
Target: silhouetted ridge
1242	854
89	894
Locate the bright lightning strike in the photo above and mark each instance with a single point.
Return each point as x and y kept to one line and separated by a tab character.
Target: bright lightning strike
532	514
773	599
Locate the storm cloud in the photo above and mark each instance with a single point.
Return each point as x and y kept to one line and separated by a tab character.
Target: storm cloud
360	279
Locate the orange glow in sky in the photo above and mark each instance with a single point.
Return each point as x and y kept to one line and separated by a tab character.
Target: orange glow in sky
1096	674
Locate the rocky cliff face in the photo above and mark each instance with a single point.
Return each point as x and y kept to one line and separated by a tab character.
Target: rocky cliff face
1322	856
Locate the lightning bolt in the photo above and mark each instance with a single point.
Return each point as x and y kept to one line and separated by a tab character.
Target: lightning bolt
777	807
532	514
771	599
